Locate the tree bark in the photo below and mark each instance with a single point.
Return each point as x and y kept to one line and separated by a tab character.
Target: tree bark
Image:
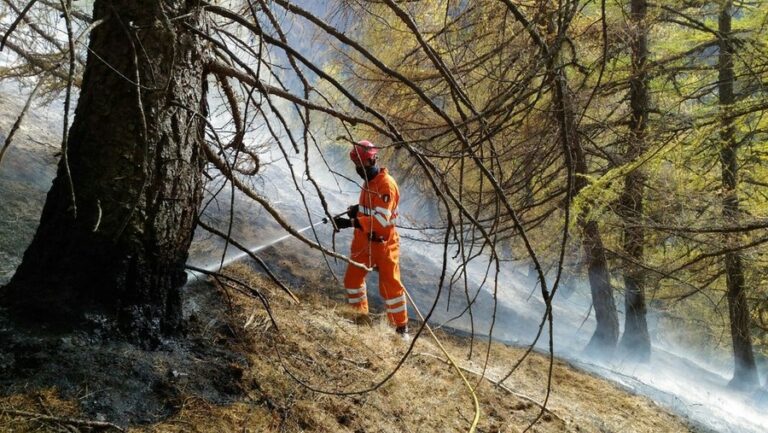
636	340
135	167
607	330
745	371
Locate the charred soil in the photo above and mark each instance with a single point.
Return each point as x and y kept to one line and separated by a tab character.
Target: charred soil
108	378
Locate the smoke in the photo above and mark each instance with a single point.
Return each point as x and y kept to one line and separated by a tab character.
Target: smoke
508	305
687	380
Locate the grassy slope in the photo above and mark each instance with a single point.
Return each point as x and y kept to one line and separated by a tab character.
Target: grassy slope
319	345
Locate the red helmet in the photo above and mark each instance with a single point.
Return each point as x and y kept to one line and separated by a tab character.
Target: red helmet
362	152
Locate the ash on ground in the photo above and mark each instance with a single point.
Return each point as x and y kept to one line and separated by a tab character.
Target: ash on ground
121	383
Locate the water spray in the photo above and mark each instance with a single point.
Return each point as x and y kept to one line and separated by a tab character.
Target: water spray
215	266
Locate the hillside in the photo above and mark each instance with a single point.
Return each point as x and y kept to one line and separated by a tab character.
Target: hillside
601	167
316	371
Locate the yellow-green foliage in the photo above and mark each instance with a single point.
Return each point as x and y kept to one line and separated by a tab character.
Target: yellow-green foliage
488	51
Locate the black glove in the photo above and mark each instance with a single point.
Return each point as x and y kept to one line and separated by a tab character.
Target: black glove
342	223
353	210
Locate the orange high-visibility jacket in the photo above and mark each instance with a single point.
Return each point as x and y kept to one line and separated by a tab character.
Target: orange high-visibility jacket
376	243
378	210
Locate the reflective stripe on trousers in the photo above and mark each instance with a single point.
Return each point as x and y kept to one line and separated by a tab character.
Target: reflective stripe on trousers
358	298
390	287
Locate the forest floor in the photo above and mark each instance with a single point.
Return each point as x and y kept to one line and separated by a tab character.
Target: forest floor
306	367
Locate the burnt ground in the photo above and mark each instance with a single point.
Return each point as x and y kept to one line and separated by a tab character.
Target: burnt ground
311	369
108	379
119	382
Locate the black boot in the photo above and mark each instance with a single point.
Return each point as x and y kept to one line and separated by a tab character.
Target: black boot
402	331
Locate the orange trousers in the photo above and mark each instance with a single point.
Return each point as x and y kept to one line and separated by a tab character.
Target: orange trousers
386	257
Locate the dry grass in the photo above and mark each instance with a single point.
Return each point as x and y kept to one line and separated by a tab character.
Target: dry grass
316	374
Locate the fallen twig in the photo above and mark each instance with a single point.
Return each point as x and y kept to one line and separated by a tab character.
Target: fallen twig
499	384
63	420
250	290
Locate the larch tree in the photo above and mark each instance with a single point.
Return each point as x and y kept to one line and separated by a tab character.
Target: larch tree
745	370
119	218
635	338
606	333
118	221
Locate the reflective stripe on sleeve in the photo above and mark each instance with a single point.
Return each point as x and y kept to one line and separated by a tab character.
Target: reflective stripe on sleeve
382	220
384	216
384	211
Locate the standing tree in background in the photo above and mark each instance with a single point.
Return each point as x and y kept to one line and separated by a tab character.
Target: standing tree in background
745	371
606	333
636	338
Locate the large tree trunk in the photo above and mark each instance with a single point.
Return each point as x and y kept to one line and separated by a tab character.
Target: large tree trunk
636	339
607	330
113	243
745	371
606	333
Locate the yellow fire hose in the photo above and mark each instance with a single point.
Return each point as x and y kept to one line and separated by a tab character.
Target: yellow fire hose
476	419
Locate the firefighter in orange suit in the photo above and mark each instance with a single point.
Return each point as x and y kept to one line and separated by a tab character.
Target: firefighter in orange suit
376	242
